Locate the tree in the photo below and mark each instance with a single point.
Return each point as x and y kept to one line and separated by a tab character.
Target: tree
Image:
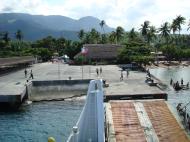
119	33
139	54
188	26
165	31
95	36
19	35
132	35
6	37
104	38
151	35
174	28
81	34
47	42
144	29
169	51
179	21
45	54
60	45
102	23
87	38
112	37
72	48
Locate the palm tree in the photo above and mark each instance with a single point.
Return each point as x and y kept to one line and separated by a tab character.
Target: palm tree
144	29
151	35
95	36
174	28
102	23
132	35
179	21
119	33
81	34
188	25
165	31
19	35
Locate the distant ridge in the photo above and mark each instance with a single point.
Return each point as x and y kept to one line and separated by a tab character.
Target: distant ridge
35	27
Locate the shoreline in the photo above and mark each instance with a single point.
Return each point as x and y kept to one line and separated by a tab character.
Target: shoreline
171	64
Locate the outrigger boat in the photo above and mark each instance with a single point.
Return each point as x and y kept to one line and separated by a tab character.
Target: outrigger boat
180	87
177	86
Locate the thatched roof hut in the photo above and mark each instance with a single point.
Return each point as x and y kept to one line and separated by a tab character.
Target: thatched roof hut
101	51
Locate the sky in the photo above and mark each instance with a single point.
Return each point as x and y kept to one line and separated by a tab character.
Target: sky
125	13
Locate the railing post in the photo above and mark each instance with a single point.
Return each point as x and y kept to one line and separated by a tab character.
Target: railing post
75	134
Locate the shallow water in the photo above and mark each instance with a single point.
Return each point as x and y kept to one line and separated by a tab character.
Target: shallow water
37	121
176	73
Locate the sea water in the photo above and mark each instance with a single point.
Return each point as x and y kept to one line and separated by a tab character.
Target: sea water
176	74
38	121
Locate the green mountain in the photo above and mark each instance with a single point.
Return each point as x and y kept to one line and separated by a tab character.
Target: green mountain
38	26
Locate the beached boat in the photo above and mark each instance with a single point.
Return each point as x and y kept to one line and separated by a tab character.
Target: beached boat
181	87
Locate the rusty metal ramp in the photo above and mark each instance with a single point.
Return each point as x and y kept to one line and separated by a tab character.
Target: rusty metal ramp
142	121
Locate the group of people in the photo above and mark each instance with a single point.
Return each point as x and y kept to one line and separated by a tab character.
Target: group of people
99	71
31	74
127	74
177	85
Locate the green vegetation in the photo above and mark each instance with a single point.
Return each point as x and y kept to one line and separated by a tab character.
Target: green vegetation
137	45
135	52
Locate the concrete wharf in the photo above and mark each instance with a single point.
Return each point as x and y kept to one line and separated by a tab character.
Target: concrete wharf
133	87
13	85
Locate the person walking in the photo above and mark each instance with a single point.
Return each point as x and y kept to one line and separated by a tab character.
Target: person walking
148	73
25	73
171	81
127	71
187	85
182	81
31	74
97	72
121	78
100	70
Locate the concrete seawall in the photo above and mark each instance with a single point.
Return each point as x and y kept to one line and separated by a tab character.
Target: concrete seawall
57	89
45	90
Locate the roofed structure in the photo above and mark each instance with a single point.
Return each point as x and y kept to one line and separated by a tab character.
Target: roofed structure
16	60
101	51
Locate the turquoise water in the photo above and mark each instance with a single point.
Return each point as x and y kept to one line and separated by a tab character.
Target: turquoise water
38	121
176	73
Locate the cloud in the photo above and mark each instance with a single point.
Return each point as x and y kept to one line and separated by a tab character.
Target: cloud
8	9
125	13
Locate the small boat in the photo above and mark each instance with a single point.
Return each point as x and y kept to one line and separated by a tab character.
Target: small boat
180	87
177	88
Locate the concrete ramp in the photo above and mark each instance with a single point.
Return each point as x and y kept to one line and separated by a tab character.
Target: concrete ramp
142	121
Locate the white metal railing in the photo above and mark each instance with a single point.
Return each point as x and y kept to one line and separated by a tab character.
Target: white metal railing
90	126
